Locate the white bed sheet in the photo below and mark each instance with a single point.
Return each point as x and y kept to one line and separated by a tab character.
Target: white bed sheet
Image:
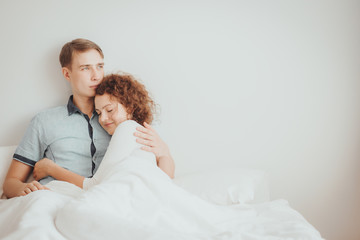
132	202
34	216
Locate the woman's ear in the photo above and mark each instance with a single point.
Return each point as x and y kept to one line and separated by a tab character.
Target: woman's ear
66	72
129	116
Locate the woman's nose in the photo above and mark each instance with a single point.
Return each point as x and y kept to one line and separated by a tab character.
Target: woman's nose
103	117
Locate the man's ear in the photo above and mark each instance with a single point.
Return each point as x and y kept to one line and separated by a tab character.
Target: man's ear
66	72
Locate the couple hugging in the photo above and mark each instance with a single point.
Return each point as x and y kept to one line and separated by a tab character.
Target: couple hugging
68	143
124	185
91	187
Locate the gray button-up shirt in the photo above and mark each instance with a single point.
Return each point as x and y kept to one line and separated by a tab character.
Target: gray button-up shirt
68	137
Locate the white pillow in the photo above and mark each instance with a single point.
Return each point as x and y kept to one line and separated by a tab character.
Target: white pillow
6	156
227	185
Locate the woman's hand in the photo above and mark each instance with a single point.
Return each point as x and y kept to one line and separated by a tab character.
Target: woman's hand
31	187
152	141
43	168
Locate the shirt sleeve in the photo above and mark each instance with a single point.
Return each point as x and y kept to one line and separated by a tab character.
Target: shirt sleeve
31	148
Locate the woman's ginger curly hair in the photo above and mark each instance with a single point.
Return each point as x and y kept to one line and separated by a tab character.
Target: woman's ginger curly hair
131	94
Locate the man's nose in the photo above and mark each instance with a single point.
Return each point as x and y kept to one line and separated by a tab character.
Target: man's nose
96	74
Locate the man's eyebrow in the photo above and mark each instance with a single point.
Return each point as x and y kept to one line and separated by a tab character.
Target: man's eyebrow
88	65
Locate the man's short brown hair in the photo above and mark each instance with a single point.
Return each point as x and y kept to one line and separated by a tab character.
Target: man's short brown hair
76	45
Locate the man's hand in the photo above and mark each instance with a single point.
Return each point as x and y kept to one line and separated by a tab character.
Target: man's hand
152	141
31	187
43	168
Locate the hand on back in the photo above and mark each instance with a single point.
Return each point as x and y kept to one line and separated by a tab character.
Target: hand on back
152	141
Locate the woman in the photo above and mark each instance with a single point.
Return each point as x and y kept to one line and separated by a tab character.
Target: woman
120	98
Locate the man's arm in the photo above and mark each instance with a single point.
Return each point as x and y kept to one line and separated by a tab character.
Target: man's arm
166	163
45	167
15	182
153	143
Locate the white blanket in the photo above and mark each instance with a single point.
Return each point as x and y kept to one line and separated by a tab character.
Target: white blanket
131	198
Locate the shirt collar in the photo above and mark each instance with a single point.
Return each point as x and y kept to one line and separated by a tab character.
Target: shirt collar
74	109
71	106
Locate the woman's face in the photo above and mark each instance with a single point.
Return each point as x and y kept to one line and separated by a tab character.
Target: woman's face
111	112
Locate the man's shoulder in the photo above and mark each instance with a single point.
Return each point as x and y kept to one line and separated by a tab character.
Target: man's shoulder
52	113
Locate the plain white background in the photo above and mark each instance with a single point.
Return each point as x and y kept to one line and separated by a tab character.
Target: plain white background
273	85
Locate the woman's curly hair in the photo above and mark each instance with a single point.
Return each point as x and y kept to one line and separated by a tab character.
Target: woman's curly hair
131	94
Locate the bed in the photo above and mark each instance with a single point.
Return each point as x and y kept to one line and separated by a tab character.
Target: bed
233	203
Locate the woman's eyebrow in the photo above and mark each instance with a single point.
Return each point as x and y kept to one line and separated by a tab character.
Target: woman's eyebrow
103	107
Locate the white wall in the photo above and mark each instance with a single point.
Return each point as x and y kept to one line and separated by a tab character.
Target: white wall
263	84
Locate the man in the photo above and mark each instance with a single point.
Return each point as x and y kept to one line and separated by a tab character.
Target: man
70	135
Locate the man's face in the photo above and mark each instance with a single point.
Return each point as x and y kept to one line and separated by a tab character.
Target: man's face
87	71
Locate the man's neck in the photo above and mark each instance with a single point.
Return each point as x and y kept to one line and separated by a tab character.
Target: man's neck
85	104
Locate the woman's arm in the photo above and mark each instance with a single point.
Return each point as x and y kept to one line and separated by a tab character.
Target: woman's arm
15	182
153	143
46	167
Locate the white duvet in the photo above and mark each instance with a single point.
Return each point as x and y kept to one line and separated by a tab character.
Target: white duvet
131	198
